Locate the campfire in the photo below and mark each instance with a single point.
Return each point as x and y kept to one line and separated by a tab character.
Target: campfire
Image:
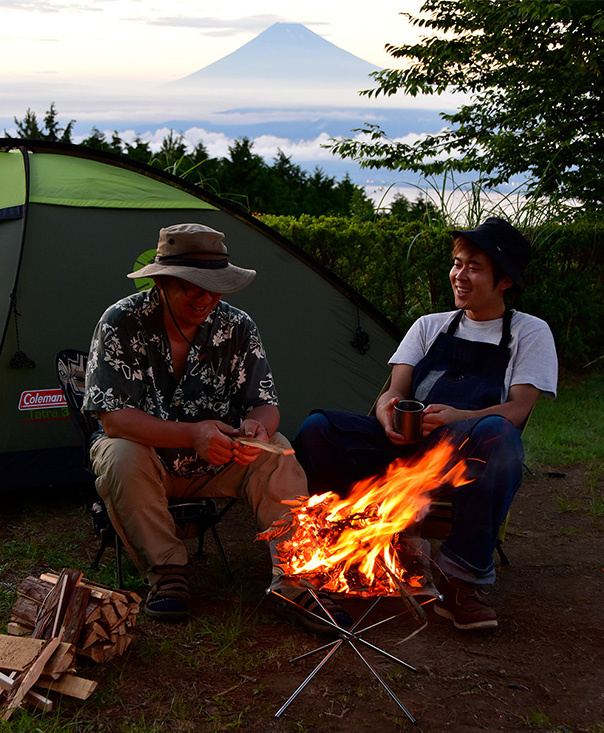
358	545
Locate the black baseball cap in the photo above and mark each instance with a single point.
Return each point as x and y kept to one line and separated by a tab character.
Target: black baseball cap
503	243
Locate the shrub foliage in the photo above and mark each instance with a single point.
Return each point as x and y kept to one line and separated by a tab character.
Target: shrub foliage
402	269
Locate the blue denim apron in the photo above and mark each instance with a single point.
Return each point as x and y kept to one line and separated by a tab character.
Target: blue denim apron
468	375
338	448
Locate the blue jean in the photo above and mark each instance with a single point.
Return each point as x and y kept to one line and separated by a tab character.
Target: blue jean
336	449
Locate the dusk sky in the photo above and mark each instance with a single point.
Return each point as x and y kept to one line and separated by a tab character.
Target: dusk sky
159	41
106	62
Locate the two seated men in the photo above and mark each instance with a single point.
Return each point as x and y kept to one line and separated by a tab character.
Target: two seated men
176	375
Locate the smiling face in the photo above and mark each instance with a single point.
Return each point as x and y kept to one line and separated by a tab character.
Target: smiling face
477	288
190	304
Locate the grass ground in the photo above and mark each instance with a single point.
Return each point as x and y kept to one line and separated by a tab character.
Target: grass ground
228	667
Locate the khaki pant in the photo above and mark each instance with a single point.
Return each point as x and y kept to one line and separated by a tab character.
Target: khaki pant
136	487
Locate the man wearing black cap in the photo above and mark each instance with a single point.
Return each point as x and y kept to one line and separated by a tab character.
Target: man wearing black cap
479	370
178	379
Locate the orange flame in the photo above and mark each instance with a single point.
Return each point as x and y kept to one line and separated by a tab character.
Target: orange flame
349	545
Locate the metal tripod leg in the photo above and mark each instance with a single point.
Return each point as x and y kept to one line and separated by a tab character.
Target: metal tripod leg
336	646
384	685
349	636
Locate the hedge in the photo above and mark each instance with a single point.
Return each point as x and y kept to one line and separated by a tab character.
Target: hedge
402	269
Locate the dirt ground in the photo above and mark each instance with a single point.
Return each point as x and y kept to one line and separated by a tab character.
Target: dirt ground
543	668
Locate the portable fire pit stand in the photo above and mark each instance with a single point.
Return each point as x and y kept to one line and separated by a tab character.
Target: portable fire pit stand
352	637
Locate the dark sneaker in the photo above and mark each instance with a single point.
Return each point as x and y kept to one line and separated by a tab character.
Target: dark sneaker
294	610
465	604
168	599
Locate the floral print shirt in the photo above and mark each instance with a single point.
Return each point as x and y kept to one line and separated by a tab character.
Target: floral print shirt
130	365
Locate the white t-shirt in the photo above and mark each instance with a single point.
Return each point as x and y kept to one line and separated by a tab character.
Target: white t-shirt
533	358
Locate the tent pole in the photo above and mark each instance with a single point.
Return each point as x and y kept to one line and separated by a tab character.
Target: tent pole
13	295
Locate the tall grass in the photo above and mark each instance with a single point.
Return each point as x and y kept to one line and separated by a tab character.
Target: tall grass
465	205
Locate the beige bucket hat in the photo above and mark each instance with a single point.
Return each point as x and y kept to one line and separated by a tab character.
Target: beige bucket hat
197	254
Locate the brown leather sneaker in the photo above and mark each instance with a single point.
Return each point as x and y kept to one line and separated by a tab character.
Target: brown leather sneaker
465	604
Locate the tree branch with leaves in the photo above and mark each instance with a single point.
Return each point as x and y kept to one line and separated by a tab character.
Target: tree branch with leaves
530	72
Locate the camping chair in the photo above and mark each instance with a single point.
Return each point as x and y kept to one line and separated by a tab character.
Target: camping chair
438	521
192	518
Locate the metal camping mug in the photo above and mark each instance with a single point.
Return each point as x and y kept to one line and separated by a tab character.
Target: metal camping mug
408	419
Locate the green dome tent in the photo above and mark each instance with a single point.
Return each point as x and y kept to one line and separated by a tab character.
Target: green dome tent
74	221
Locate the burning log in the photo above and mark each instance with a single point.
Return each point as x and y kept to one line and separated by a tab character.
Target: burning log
360	545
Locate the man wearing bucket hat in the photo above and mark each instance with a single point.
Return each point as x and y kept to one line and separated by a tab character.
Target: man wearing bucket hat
479	371
176	377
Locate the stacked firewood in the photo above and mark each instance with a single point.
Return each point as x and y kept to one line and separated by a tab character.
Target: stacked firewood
34	667
57	617
98	619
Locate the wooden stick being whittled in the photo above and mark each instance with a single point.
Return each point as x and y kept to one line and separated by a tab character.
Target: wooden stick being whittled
270	447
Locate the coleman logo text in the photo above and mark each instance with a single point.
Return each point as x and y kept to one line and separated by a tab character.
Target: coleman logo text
36	398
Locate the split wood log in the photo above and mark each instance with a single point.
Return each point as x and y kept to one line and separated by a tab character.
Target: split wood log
75	614
31	662
16	629
61	661
98	619
54	607
34	589
26	679
53	617
26	610
17	653
70	684
35	698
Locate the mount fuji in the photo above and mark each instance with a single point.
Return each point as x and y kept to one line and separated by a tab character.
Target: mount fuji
285	54
289	89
